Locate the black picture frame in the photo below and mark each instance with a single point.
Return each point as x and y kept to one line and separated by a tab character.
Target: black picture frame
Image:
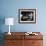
27	16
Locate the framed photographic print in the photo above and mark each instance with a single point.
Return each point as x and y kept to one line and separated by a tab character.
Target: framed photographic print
27	15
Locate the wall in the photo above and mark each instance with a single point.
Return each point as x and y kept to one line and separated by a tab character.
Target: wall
9	8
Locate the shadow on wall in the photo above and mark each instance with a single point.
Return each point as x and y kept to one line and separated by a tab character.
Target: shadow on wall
2	21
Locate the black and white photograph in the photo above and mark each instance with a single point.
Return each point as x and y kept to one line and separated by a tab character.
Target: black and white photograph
27	15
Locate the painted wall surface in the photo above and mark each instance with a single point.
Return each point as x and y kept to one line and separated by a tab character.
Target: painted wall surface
9	8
